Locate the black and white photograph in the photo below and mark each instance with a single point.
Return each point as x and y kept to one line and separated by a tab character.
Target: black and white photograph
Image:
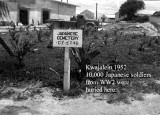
79	57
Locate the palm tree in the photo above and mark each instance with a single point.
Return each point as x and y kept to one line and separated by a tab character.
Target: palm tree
4	12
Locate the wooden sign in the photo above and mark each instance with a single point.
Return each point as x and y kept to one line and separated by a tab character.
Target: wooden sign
67	38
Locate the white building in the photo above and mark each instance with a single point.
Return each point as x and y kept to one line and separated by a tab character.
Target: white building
38	11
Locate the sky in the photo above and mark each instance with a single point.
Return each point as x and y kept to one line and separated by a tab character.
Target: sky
110	6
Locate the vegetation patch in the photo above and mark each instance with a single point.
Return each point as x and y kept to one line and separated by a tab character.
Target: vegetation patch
106	47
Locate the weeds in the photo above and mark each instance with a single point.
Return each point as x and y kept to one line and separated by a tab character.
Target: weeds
73	93
116	98
21	43
90	49
110	47
39	33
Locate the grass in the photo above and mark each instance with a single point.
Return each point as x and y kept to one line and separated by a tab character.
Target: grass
44	64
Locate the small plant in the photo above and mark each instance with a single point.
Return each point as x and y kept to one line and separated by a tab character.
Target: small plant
120	97
27	30
13	33
73	93
51	26
21	43
39	34
90	49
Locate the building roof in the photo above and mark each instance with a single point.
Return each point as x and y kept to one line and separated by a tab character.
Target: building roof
110	15
65	3
32	4
86	11
156	14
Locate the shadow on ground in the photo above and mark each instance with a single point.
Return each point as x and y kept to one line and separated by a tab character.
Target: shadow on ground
16	110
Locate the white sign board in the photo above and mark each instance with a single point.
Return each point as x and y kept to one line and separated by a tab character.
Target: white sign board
67	38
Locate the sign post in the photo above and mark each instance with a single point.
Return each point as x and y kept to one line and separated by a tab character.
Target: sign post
66	78
67	38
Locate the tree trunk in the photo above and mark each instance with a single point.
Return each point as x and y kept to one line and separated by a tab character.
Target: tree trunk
6	47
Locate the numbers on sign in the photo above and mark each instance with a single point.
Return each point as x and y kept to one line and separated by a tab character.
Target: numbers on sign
60	42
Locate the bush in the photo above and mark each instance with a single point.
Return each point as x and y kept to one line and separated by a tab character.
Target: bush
141	19
21	43
90	49
73	93
39	33
7	23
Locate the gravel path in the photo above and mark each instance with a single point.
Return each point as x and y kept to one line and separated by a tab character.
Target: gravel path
85	105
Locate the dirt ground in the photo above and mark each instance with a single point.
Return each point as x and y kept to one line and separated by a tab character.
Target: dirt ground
88	104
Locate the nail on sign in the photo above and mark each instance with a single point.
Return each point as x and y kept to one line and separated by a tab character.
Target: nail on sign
67	38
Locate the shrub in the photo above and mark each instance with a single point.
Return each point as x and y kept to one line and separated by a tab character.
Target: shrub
7	23
21	43
39	33
90	49
73	93
141	19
